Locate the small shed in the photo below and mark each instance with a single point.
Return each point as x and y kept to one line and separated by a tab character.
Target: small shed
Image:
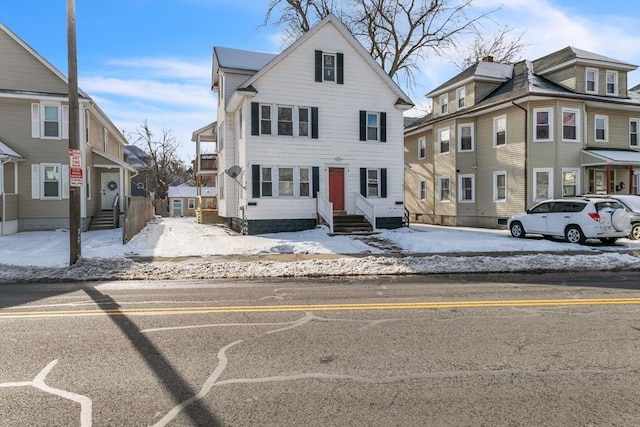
183	199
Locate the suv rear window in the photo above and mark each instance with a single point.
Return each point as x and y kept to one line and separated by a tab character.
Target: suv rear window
568	207
604	205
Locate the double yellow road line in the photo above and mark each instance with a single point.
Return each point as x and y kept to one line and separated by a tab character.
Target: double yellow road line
9	314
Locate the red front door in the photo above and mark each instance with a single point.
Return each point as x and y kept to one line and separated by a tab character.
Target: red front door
336	188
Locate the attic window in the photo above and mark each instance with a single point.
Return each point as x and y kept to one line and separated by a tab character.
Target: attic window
612	82
329	67
444	103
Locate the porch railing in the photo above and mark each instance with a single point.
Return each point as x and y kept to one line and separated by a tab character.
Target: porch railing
325	211
366	208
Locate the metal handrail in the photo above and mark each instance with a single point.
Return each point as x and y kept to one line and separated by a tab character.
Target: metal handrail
115	207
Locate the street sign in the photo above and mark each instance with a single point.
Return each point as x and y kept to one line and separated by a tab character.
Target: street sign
75	168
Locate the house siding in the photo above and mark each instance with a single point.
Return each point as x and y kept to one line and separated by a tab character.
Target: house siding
19	70
291	83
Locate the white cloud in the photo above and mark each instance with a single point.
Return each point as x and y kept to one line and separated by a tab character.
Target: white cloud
165	67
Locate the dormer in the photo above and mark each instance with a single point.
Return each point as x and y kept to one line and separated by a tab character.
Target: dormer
469	87
585	72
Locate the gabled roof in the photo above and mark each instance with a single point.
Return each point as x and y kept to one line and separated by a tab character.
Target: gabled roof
570	55
403	99
8	153
480	71
208	133
39	57
135	156
226	58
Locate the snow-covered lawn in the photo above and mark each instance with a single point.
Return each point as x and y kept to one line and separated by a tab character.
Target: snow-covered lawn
211	251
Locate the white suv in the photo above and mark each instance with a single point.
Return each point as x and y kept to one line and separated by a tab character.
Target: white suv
575	219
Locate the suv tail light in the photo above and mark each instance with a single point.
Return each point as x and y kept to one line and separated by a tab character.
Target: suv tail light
595	216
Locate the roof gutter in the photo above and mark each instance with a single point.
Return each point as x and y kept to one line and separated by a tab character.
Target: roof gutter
526	152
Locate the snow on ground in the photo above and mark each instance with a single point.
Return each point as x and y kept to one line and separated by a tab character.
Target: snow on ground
212	251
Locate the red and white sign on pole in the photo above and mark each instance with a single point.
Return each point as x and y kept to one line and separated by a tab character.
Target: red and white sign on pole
75	168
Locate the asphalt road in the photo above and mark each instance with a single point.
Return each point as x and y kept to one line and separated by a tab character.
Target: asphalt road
552	350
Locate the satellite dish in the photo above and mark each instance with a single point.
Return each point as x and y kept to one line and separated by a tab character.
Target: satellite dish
233	171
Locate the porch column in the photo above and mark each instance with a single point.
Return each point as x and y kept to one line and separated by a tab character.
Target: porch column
608	180
631	179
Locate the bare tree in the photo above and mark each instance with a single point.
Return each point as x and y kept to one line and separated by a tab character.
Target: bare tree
397	33
499	46
165	167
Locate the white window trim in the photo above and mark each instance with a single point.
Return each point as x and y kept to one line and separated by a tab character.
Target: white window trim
275	182
459	138
443	104
378	179
273	123
293	121
60	179
577	172
606	128
297	182
422	143
578	121
473	188
335	66
461	94
296	121
440	179
439	141
191	203
57	105
495	131
535	183
535	124
495	186
595	85
616	83
378	126
422	184
637	121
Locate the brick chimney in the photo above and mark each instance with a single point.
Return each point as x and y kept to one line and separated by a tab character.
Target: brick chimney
487	59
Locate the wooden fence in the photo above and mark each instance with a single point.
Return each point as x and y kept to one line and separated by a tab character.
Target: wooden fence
139	211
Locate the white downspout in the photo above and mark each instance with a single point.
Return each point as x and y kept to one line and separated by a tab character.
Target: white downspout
2	192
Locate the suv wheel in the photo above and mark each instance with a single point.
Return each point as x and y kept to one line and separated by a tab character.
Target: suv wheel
517	230
635	232
574	234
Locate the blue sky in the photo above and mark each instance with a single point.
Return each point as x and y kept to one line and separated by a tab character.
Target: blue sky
151	59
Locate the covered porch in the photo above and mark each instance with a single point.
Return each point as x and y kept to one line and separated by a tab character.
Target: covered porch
611	171
9	160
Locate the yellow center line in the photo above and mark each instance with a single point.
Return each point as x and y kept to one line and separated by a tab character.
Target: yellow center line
7	314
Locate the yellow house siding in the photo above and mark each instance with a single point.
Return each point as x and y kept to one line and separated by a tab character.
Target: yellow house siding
618	121
419	169
567	77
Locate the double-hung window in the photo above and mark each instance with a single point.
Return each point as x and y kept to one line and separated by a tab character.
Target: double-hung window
303	121
51	121
601	131
191	203
542	183
466	188
266	181
465	137
634	125
265	119
444	137
51	181
460	97
305	179
500	131
612	82
328	67
591	80
570	181
570	125
373	183
423	190
500	186
444	103
285	182
422	147
373	126
544	124
444	190
285	121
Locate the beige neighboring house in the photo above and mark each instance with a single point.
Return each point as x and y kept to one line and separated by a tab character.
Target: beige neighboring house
34	153
502	137
183	199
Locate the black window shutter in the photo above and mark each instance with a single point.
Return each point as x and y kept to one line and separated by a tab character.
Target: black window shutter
314	122
363	181
363	125
255	181
315	177
383	183
255	118
340	63
318	65
383	127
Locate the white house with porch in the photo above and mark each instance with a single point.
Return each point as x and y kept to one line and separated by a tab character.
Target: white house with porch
312	134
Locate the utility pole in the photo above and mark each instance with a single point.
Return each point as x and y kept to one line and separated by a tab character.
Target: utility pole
74	137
